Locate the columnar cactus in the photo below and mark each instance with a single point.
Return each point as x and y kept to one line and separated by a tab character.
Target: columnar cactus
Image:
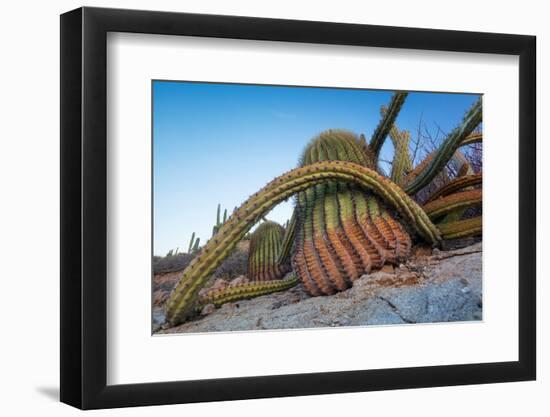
402	163
441	157
194	244
219	222
263	255
385	125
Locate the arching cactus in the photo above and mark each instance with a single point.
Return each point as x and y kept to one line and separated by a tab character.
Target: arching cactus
263	255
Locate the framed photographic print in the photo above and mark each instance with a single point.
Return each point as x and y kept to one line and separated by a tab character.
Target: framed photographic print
258	207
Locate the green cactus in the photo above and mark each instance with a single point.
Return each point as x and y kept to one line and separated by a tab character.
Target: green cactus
437	160
456	201
462	228
457	184
265	246
191	243
288	240
342	232
385	125
219	222
347	220
245	291
402	163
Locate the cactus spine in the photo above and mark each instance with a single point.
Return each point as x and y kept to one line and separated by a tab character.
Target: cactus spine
265	246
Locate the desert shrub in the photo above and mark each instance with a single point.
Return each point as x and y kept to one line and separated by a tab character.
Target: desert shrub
233	266
171	263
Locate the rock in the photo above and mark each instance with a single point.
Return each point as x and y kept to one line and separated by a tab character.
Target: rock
208	309
158	318
388	268
422	250
442	287
239	280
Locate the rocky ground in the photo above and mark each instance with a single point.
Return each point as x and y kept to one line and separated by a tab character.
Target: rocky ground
438	286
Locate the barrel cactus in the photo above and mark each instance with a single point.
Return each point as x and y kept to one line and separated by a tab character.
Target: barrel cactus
343	232
349	218
265	247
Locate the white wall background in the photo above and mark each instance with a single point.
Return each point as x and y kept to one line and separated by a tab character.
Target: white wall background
29	226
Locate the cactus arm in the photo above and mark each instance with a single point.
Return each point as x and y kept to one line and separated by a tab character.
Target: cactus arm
461	228
472	138
402	163
246	291
383	128
455	185
196	245
452	202
183	296
288	240
446	151
191	242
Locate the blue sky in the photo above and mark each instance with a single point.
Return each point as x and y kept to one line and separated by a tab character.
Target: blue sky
219	143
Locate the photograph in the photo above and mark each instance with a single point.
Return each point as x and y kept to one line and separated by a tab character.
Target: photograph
298	207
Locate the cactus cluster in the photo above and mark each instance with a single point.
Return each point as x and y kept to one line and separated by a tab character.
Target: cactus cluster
349	219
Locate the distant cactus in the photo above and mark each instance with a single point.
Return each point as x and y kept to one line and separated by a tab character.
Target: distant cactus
348	220
219	222
193	244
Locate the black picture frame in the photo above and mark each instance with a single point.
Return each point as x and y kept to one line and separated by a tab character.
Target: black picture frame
84	207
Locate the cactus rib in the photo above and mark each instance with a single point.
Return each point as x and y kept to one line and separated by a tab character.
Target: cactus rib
446	151
383	128
180	302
